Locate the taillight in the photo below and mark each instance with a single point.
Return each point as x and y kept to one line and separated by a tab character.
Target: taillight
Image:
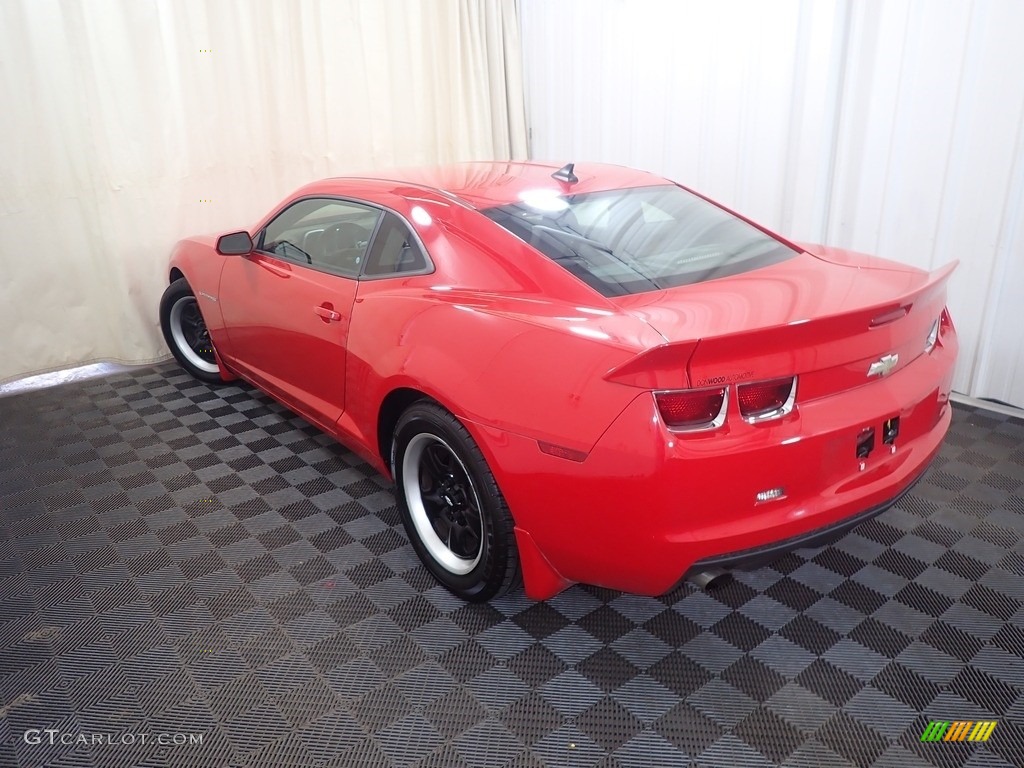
687	410
933	336
766	399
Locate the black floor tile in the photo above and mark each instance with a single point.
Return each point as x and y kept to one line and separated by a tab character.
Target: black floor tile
198	561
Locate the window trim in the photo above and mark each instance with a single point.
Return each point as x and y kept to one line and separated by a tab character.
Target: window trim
427	270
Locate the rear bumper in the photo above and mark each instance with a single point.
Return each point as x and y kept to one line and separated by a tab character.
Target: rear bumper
765	554
649	506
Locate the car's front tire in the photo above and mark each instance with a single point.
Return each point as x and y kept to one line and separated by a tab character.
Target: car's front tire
452	509
185	332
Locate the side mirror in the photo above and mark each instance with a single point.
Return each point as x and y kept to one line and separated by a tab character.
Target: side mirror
234	244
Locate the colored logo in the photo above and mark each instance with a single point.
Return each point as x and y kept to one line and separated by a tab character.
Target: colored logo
958	730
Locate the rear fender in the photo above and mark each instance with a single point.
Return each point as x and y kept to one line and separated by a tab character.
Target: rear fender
527	377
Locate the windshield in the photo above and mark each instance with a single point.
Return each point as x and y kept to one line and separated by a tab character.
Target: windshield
627	241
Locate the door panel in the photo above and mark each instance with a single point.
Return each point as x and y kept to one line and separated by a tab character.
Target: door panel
287	326
287	305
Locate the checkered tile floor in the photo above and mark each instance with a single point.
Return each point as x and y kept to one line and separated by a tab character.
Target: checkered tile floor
180	560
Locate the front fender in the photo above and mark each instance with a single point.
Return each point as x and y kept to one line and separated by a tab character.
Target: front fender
197	259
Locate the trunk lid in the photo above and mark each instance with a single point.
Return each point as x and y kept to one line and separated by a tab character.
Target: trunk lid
826	322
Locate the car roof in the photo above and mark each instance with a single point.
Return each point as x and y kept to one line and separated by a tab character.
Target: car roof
489	184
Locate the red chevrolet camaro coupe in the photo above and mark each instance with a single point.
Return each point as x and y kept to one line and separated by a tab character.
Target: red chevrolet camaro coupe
580	374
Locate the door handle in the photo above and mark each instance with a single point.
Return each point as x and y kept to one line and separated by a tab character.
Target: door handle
327	314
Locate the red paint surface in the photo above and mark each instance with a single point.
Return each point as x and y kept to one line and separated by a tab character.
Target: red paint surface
521	351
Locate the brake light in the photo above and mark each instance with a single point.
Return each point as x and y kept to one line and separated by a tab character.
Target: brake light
766	399
688	410
933	336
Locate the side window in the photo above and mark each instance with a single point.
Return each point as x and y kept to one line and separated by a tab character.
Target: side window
329	235
394	250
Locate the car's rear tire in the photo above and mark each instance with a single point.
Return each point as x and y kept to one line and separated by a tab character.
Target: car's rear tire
185	332
452	509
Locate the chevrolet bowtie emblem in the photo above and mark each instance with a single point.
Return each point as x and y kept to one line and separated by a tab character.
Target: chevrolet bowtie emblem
883	366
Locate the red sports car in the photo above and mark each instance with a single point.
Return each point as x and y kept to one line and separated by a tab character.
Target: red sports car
580	374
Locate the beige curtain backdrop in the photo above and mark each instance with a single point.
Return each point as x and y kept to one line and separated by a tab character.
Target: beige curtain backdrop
128	124
893	127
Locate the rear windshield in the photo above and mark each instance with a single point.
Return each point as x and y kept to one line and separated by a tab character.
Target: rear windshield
627	241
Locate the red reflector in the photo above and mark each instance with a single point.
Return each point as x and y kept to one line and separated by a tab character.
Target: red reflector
561	451
764	397
691	409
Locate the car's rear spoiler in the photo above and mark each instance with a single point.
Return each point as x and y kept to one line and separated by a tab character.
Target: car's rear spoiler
781	350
